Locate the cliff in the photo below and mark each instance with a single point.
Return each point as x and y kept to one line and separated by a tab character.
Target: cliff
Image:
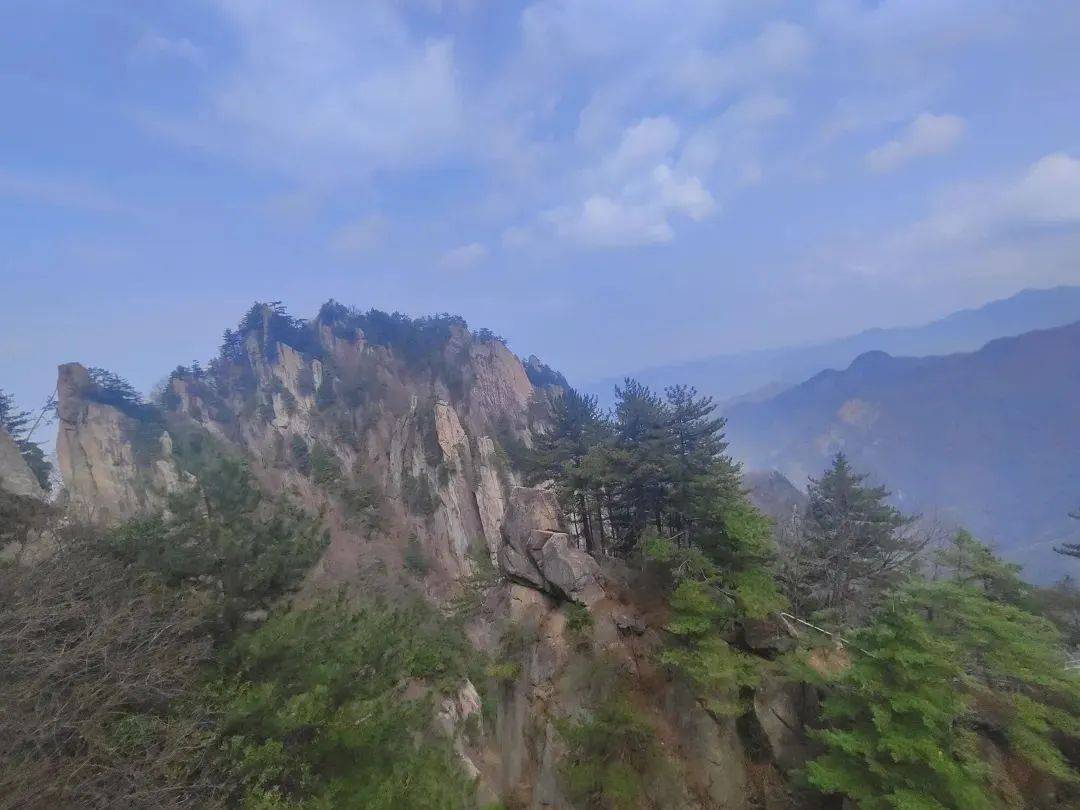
406	437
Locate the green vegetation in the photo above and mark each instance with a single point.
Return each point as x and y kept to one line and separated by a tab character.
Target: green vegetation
416	558
362	502
418	495
312	713
325	467
897	741
578	618
853	547
613	759
137	686
224	530
656	472
301	455
940	662
476	586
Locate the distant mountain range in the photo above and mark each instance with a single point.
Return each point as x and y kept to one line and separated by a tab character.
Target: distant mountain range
759	374
988	439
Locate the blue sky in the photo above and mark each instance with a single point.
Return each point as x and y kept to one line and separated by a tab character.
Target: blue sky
609	185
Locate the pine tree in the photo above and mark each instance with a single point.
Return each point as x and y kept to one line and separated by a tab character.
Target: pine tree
940	660
895	738
641	462
12	420
856	543
568	453
697	439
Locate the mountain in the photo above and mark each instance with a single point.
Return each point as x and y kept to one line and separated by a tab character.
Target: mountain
312	573
405	437
988	439
759	374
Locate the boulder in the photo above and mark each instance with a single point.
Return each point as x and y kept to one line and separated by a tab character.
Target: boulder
570	571
538	553
630	623
767	635
518	566
531	508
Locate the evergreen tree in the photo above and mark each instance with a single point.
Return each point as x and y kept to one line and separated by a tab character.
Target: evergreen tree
12	420
1060	603
640	462
568	453
895	738
697	440
224	529
855	543
940	660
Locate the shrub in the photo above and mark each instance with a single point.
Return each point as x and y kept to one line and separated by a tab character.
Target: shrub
301	456
95	655
362	502
578	618
312	711
612	755
223	530
416	558
417	493
325	467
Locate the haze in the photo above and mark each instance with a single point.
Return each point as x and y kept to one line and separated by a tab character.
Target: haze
657	185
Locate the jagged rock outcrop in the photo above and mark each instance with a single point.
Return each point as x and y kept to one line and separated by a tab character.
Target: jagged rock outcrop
407	440
114	465
16	477
424	422
536	551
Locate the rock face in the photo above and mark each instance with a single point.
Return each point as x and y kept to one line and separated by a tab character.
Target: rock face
537	553
113	466
15	476
410	442
428	435
782	709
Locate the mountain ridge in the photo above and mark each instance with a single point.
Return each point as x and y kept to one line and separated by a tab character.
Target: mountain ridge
759	373
981	438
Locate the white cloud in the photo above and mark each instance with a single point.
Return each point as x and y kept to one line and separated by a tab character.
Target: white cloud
153	46
463	256
516	236
1024	229
360	236
634	192
603	222
1045	195
927	135
1049	192
331	92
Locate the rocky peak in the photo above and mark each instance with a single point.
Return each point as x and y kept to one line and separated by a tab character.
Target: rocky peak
115	454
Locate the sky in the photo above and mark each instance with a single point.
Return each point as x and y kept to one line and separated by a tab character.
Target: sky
609	185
